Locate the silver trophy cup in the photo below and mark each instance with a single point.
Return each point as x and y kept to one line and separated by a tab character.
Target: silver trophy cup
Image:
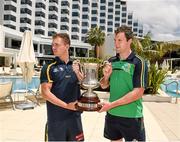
89	99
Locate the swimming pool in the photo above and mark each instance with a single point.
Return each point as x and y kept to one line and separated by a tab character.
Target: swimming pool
19	83
171	86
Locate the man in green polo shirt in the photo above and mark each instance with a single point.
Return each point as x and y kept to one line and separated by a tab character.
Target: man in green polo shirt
126	75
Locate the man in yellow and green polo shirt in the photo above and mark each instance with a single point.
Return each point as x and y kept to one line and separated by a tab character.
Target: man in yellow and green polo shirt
126	75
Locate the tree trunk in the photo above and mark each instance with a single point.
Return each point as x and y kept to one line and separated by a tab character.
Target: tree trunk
97	51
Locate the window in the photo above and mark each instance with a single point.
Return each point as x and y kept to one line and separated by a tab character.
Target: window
52	25
29	2
84	31
135	30
64	27
117	6
110	29
129	16
75	22
39	31
110	3
110	10
102	14
39	23
117	12
65	3
124	9
48	49
16	44
71	51
10	7
123	14
40	5
123	20
22	29
117	25
75	6
10	26
117	18
56	1
85	9
10	17
40	14
81	52
94	5
110	16
85	24
102	8
129	22
102	28
135	24
64	11
94	12
85	17
110	23
53	16
103	1
76	37
25	20
75	29
94	19
64	19
51	33
93	25
26	11
102	21
53	8
85	1
75	14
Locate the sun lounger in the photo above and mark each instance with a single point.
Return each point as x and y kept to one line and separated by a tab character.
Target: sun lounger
5	93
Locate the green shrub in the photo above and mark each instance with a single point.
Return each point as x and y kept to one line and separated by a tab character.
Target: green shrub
156	77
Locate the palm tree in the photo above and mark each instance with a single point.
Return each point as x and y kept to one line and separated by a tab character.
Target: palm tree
96	38
152	51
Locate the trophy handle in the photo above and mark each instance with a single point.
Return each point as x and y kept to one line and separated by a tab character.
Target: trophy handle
79	63
105	63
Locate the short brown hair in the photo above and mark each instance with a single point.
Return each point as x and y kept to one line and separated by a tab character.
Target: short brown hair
64	36
126	30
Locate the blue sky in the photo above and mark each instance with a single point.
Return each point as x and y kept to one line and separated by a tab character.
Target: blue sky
161	17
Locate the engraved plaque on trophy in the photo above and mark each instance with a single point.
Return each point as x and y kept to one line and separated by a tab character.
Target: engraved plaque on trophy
89	100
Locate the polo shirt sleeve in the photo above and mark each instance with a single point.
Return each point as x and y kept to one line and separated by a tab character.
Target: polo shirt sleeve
140	74
44	74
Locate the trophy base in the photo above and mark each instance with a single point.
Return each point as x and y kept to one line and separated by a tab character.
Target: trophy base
88	104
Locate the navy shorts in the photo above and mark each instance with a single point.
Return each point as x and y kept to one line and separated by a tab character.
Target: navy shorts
128	128
67	130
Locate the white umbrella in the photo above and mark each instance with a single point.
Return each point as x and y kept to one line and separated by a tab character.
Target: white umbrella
26	58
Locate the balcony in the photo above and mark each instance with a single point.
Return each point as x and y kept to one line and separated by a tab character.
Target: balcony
25	16
53	4
9	12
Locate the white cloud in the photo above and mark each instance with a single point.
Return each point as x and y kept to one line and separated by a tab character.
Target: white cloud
161	17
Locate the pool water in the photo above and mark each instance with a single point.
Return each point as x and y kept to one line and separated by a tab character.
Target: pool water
170	86
20	84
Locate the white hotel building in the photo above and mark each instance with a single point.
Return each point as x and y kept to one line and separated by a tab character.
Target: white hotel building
75	17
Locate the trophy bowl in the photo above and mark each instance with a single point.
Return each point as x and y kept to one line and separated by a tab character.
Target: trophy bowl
89	100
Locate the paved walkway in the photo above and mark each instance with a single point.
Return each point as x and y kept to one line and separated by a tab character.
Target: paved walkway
162	123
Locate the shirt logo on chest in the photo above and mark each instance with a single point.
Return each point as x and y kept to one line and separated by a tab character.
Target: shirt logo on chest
55	70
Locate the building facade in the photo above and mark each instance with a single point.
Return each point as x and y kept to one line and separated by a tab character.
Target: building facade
74	17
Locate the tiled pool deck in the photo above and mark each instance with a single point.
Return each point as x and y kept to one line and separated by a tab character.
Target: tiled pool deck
162	122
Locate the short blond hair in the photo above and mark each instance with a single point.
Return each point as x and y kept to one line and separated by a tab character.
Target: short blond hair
64	36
